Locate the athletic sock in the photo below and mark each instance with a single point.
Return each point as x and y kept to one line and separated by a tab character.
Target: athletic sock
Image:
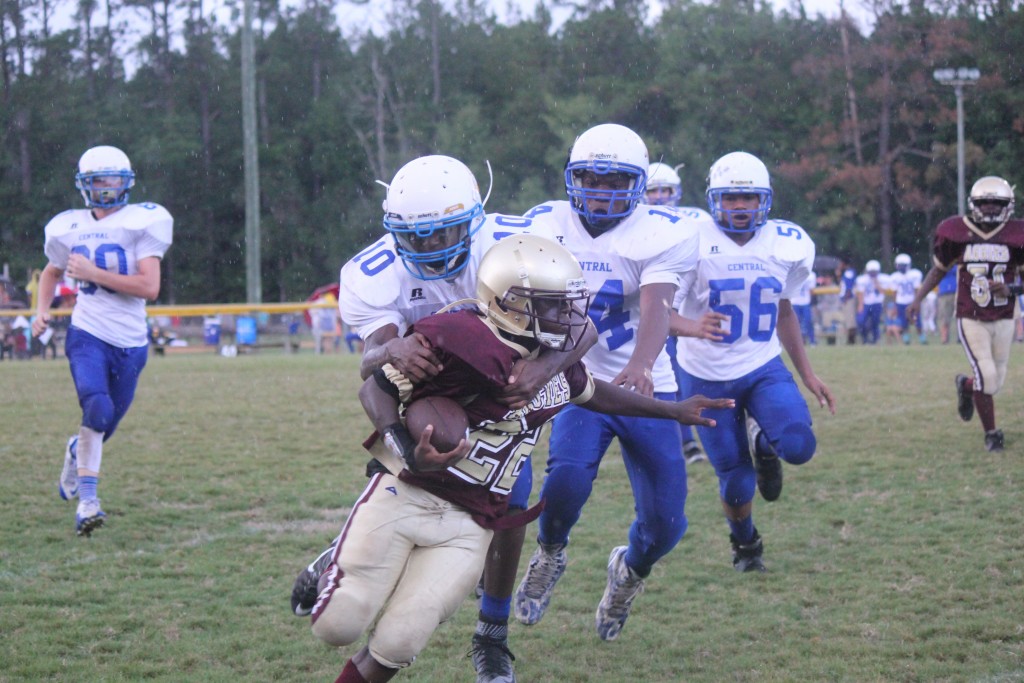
743	530
87	487
986	410
495	629
495	610
350	674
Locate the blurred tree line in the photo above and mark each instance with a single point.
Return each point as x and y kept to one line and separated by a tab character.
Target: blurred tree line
860	139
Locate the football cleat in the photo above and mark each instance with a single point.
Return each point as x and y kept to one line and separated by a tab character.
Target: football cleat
534	593
89	517
305	589
692	453
747	557
67	485
964	399
767	465
623	588
492	660
994	440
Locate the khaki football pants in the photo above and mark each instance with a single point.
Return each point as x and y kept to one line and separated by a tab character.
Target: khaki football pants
406	559
988	350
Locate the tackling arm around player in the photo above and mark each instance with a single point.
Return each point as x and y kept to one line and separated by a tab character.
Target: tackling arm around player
416	540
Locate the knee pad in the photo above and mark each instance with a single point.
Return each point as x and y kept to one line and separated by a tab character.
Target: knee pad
98	412
737	486
797	444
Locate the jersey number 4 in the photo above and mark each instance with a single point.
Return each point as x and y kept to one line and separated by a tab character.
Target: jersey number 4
758	329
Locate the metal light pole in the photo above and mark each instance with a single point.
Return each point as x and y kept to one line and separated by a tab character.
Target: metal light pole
250	155
958	78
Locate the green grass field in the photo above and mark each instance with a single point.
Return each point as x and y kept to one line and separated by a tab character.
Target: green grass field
896	554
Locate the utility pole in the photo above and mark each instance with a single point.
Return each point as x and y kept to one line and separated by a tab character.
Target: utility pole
253	278
958	78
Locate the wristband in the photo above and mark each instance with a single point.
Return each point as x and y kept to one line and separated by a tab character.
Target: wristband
400	442
1016	289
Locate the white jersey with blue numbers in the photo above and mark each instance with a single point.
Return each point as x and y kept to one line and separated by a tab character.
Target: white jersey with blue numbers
377	289
655	244
745	283
905	285
116	243
872	288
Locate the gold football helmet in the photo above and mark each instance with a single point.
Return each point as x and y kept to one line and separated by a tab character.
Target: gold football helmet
531	286
991	201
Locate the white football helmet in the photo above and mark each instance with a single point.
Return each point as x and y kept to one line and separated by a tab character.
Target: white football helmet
872	266
902	262
531	286
997	194
739	173
606	150
104	177
433	209
662	177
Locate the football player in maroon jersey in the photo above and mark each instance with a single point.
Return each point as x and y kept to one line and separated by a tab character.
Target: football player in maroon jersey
989	246
416	540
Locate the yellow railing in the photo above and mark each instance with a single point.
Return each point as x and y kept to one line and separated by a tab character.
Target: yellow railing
198	309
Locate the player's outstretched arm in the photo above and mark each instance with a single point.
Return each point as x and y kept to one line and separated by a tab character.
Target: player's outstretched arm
788	329
528	376
611	399
411	355
708	327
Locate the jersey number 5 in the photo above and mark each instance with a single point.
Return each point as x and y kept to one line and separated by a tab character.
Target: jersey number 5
758	309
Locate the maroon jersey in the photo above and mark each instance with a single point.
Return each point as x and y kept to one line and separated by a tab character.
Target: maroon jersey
996	256
476	364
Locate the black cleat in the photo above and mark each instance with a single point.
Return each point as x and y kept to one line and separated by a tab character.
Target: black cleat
767	465
964	399
492	660
747	557
994	440
305	590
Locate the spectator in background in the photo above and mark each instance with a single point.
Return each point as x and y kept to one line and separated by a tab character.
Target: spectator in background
893	325
846	277
829	309
802	307
870	291
947	306
6	340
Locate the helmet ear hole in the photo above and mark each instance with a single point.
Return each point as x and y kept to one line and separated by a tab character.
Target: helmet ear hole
519	273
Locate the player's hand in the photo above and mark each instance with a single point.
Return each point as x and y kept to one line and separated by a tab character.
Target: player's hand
912	310
690	409
711	326
81	268
413	357
524	381
429	459
997	288
821	392
40	324
636	377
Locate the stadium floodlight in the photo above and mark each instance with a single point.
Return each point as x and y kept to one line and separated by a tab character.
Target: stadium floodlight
958	78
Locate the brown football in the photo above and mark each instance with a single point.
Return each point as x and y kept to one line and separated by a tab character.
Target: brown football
447	416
